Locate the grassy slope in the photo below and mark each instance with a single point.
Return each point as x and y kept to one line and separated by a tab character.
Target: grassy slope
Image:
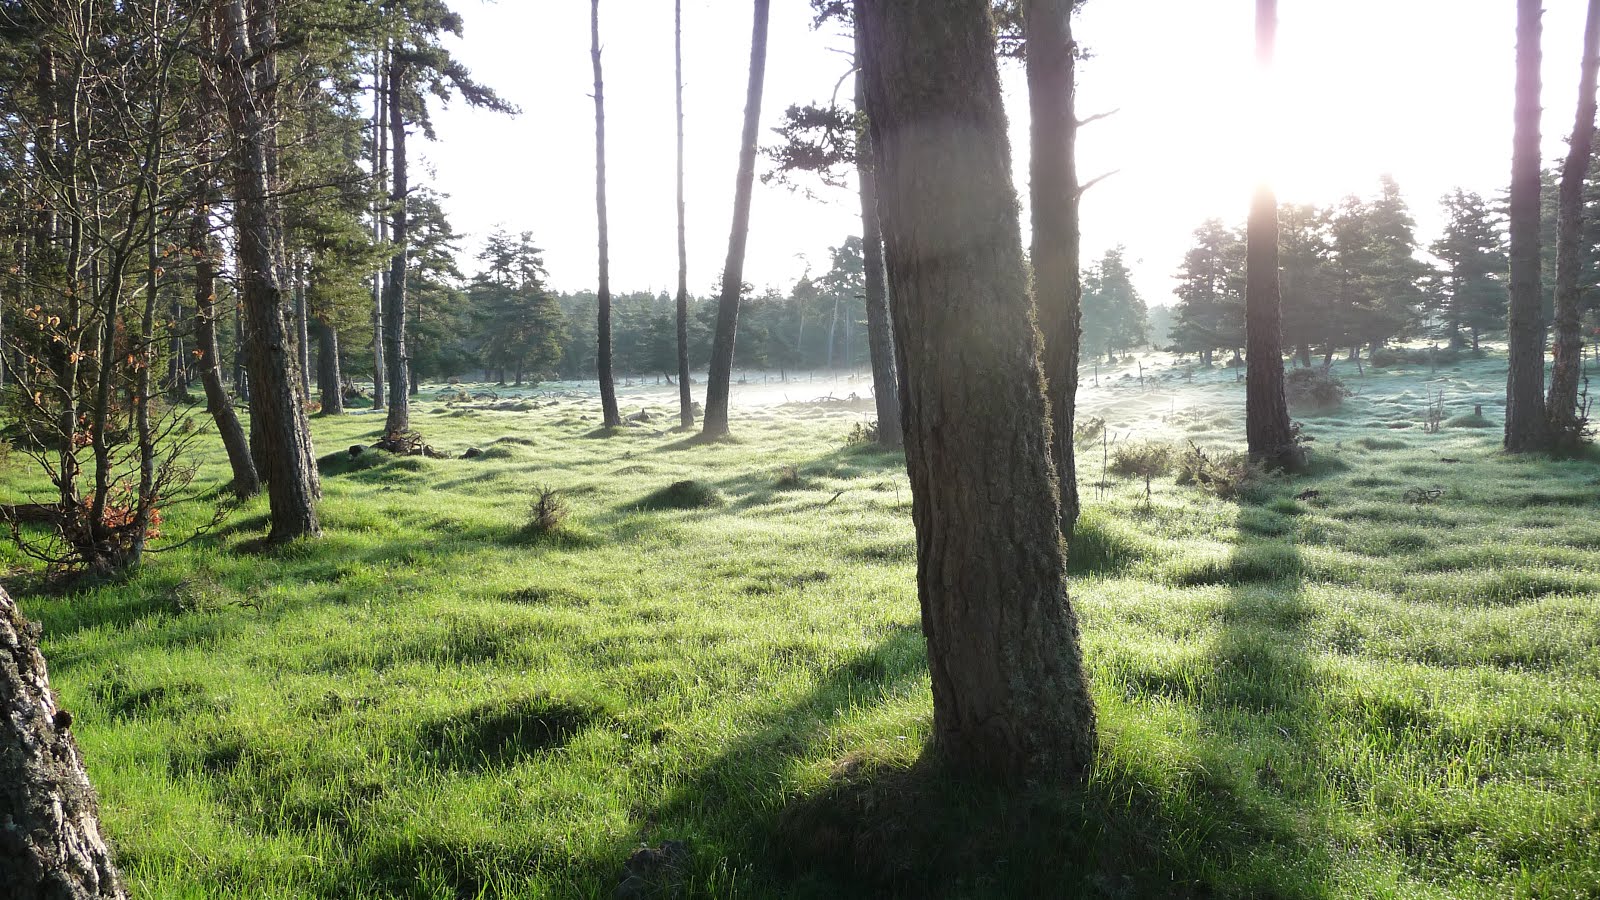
1348	696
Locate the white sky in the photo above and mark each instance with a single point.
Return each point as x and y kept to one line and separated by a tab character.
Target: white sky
1418	88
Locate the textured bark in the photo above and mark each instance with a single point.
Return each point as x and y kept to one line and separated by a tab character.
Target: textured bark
721	372
880	334
1009	695
396	361
218	404
1266	411
330	382
50	845
685	396
279	427
380	228
1526	426
302	324
608	388
1566	420
1053	174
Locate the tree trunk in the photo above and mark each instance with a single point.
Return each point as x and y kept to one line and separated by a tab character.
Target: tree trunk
880	334
279	428
608	389
716	417
50	847
302	326
1053	174
395	360
1009	696
380	228
1266	418
330	383
1567	422
1526	426
685	396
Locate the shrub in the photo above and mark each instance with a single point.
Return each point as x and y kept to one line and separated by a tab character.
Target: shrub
547	510
862	433
1088	428
683	495
1227	475
1314	388
1144	459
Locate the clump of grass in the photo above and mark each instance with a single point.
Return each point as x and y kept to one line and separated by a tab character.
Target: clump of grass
1468	420
1314	388
547	510
1142	459
1227	475
789	478
1088	428
683	495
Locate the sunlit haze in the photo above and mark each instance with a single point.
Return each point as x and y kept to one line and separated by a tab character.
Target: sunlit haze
1420	89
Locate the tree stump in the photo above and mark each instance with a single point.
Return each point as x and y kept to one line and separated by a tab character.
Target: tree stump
50	843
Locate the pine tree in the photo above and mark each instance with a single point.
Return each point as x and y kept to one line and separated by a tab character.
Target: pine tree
1472	250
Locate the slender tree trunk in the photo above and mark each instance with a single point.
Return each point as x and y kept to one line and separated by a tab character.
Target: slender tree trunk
330	382
685	396
396	360
302	325
1267	430
717	387
1566	420
1053	174
279	426
50	847
1009	695
880	333
608	389
1526	426
380	227
245	482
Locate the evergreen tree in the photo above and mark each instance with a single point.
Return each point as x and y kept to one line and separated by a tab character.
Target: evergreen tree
1114	315
1472	250
520	322
1210	310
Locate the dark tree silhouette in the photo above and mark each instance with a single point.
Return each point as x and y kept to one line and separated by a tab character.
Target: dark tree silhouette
716	418
1267	430
1566	420
685	396
1009	696
608	388
1526	426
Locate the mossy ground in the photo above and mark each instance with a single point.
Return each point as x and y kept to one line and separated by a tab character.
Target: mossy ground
1348	695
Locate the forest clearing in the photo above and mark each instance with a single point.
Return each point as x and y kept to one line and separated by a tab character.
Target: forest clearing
1358	693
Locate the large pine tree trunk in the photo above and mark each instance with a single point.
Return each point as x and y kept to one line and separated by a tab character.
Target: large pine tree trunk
880	334
1566	422
1526	426
717	380
1009	695
246	483
330	383
685	397
395	360
608	388
1266	411
1053	174
50	843
279	427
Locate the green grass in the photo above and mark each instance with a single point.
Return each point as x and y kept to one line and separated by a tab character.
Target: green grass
1350	695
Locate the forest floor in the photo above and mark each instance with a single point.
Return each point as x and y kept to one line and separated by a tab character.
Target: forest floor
1357	694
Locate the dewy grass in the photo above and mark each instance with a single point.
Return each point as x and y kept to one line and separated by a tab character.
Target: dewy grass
1326	690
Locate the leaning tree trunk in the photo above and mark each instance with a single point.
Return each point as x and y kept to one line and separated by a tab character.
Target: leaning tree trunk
1009	695
279	427
1566	420
330	384
1053	173
394	301
1526	426
50	845
721	372
1268	434
685	396
880	335
611	418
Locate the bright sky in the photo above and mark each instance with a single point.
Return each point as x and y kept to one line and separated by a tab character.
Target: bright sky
1421	89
